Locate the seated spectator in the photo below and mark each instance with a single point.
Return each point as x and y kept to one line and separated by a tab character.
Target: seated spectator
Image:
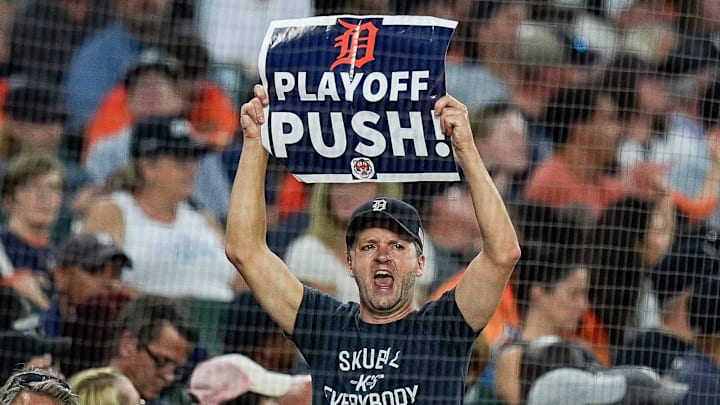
332	205
34	120
452	236
87	270
20	340
551	292
34	386
235	379
154	88
46	33
103	386
584	125
101	60
650	134
628	239
701	367
86	265
500	133
32	191
176	250
153	340
663	348
250	331
490	53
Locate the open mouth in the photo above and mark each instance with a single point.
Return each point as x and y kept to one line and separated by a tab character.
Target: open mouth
383	279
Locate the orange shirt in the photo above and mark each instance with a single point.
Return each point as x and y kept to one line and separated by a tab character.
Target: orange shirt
505	315
212	114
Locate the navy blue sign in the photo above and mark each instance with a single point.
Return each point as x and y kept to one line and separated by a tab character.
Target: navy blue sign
351	98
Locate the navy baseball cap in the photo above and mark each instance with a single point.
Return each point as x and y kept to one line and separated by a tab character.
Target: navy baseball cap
168	135
383	209
91	251
152	59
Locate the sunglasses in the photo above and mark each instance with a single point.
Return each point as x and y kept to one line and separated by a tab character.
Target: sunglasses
162	363
28	378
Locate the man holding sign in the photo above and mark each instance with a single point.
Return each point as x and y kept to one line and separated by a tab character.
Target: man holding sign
380	351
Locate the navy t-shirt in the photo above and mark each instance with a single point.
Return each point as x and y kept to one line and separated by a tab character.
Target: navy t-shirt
420	359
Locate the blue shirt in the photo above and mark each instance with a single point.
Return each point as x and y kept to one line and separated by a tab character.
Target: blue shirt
420	359
97	66
703	376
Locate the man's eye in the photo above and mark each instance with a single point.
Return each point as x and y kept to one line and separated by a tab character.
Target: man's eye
367	247
399	246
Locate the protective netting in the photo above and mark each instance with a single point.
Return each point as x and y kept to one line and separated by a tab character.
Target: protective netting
599	122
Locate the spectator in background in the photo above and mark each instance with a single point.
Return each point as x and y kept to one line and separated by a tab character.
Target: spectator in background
501	138
176	250
34	386
477	392
331	207
154	87
32	191
547	60
87	271
250	331
651	135
103	386
552	295
489	58
234	379
153	340
584	125
34	119
101	61
45	34
701	367
20	340
452	238
693	257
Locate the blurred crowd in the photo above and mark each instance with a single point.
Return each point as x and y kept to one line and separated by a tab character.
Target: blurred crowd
598	120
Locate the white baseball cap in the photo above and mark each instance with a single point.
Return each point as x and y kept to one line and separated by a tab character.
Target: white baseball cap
572	386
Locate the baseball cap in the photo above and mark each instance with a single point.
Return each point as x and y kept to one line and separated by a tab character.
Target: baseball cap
705	307
644	386
36	102
571	386
152	59
384	209
542	45
166	135
91	251
226	377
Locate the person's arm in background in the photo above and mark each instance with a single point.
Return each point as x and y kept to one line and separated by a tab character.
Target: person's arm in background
276	289
478	292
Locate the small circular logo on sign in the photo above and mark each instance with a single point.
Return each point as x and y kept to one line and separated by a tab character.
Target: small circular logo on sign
362	168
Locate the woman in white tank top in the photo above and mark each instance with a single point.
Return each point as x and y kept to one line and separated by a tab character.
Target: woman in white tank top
176	250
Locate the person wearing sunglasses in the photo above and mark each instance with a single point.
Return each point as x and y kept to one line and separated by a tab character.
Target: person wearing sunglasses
36	387
104	386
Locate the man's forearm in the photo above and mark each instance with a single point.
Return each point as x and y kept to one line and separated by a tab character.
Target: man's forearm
246	225
499	238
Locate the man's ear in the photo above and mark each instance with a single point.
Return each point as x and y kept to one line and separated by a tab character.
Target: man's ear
127	346
421	266
348	262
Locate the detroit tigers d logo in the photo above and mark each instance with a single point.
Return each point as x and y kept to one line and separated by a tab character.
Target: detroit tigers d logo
357	44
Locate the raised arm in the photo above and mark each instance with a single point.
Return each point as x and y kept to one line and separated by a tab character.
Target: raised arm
276	289
478	292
